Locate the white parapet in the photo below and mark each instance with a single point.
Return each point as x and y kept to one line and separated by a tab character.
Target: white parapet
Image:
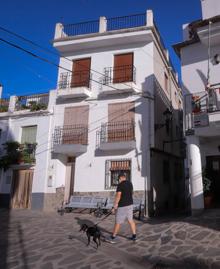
58	30
150	17
195	174
12	103
102	24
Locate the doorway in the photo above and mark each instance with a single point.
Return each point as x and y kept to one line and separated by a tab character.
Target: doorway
21	188
213	173
69	180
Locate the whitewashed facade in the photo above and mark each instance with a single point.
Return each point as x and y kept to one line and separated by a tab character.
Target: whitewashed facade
129	75
199	54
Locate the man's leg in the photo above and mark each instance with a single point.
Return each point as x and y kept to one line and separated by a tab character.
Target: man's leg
132	226
116	229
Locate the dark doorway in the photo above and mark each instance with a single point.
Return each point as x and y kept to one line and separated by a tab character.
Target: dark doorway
213	173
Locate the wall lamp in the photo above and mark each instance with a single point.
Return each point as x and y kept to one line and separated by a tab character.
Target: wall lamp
168	115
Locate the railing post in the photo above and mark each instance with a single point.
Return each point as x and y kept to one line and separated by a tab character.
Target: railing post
12	103
102	24
149	18
58	30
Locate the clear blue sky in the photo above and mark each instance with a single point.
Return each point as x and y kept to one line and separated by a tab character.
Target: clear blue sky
22	74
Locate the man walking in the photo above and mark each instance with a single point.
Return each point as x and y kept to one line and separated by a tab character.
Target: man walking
123	206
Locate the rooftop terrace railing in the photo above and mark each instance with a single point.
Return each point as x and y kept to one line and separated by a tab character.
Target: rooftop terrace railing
82	28
125	22
32	102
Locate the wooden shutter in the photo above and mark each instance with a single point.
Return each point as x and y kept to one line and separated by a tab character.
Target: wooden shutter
121	122
81	73
75	129
123	68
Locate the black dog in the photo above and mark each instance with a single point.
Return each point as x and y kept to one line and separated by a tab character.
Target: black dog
92	232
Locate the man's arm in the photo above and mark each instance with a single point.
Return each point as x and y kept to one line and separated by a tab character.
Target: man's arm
117	199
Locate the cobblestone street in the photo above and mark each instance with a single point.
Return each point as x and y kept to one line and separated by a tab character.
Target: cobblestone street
32	239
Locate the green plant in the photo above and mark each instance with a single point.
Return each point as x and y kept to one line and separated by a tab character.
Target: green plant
34	106
12	154
206	182
3	108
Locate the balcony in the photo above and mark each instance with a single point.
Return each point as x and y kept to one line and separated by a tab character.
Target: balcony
117	136
202	109
32	103
70	140
4	104
119	80
77	85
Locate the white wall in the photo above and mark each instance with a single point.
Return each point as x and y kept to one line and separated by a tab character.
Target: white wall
210	8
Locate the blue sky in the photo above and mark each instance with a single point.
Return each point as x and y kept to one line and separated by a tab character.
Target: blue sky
22	74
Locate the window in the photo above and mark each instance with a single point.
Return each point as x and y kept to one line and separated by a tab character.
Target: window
29	134
113	169
121	122
81	73
123	68
166	171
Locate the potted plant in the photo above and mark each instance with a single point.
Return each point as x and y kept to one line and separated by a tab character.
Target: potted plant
207	190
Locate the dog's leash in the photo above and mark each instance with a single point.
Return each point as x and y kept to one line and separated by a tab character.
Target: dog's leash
104	218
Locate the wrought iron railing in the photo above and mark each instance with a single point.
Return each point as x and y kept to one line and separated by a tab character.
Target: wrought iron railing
117	132
4	104
198	105
120	74
71	134
76	79
83	28
34	102
27	152
125	22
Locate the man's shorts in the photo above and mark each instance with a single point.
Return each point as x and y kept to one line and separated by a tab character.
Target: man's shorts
123	213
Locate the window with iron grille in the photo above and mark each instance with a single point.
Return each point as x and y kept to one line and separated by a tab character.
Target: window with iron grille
113	169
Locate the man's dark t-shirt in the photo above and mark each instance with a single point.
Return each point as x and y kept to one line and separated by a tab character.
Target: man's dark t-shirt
126	189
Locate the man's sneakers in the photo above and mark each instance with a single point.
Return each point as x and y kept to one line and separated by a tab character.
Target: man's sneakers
133	238
111	239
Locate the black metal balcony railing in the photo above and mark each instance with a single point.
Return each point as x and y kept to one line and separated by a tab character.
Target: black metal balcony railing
4	104
117	131
124	22
32	102
83	28
120	74
71	134
76	79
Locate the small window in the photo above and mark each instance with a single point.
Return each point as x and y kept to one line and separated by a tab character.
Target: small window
113	169
29	134
166	82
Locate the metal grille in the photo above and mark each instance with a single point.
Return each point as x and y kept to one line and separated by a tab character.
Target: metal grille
81	28
117	132
32	102
71	134
124	22
28	151
120	74
82	80
111	175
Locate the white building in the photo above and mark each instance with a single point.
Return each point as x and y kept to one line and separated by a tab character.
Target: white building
117	107
200	53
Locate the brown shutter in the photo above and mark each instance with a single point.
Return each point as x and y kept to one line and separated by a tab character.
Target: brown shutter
81	73
75	129
121	112
121	122
120	165
123	68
